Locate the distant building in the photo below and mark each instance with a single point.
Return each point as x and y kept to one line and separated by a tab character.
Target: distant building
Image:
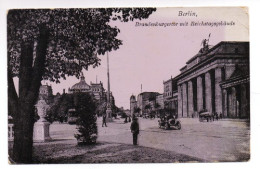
45	93
133	104
146	98
170	95
95	89
98	91
82	86
214	80
160	101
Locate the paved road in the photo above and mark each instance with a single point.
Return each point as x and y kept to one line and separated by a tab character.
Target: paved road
225	140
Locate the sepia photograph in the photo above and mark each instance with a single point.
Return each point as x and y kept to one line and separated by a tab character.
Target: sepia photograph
128	85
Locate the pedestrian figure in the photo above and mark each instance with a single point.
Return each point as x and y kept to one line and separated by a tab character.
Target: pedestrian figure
125	119
129	119
220	116
135	130
61	119
216	116
104	120
133	116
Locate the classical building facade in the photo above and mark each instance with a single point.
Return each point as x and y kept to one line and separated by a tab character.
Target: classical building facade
215	80
98	91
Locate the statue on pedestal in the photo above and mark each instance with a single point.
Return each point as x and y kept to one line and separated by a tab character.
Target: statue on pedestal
205	44
41	127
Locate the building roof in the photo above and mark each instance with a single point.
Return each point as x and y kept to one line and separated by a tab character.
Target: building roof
240	72
132	97
81	85
215	50
100	84
148	95
239	76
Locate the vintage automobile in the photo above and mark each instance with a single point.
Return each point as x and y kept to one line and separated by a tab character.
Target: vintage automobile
171	122
72	116
205	116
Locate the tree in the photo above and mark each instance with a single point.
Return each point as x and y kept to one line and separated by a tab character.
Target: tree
137	110
51	44
59	107
157	106
86	123
147	107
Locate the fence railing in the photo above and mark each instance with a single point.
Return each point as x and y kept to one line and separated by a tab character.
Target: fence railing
10	128
10	132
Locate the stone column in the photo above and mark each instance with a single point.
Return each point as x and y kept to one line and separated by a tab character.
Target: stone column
179	101
199	94
185	100
208	92
218	93
190	99
225	103
231	106
234	102
229	103
244	101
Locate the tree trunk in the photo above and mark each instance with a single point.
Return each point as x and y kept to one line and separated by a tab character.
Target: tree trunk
20	121
30	76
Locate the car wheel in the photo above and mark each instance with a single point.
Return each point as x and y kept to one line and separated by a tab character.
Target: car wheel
178	125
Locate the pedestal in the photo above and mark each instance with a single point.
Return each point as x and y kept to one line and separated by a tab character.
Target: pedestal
41	132
109	115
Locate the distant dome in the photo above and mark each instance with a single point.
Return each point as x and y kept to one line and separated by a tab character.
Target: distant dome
82	85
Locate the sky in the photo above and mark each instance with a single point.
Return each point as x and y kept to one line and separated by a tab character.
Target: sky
152	54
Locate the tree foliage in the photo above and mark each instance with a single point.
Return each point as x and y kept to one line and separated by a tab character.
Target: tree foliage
76	36
86	122
148	106
157	105
59	108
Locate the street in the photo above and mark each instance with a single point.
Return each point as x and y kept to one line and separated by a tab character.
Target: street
223	140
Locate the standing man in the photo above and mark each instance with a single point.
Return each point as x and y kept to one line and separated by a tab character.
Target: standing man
104	118
135	130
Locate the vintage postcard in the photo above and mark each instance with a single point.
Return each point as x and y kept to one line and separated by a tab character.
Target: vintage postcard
128	85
